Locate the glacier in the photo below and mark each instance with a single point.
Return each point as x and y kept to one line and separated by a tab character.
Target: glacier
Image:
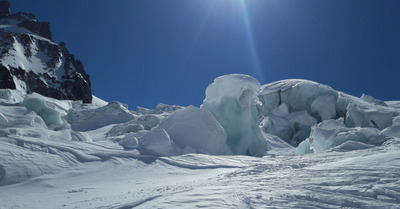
288	144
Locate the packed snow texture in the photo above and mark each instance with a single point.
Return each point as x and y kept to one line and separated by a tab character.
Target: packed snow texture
317	148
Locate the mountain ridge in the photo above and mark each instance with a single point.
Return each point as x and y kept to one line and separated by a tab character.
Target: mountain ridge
32	62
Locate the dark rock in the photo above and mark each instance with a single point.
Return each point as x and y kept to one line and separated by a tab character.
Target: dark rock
22	16
6	78
40	28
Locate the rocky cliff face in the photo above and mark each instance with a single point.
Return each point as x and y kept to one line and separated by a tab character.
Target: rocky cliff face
30	60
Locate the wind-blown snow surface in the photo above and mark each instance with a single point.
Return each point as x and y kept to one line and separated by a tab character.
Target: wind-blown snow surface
316	148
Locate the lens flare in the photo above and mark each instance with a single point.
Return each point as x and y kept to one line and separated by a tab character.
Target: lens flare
251	43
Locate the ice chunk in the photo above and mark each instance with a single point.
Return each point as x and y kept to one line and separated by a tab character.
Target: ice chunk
51	117
157	142
301	122
160	109
368	116
128	127
297	94
331	133
292	127
301	118
232	99
282	110
61	106
372	100
393	104
20	117
352	145
278	126
304	147
82	119
198	129
364	114
324	107
394	130
148	121
164	108
143	110
11	96
323	134
370	136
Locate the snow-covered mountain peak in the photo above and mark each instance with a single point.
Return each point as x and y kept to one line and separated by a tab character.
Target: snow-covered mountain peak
30	61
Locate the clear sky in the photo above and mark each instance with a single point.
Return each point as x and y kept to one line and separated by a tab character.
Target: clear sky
145	52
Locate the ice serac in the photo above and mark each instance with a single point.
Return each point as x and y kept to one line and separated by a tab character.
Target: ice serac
394	130
365	113
196	129
331	133
30	61
297	94
51	117
232	99
324	107
85	119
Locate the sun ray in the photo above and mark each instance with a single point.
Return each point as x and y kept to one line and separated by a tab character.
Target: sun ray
251	43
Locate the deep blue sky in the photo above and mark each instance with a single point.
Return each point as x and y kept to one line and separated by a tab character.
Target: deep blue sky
144	52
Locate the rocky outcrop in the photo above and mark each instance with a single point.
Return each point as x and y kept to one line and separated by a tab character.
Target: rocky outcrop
30	61
41	28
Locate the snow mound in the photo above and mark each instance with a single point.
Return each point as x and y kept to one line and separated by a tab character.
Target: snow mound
129	141
197	129
158	143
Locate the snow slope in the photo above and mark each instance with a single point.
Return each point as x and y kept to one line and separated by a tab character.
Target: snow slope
315	147
356	179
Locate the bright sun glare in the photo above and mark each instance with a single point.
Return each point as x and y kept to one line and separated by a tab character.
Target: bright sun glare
241	13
